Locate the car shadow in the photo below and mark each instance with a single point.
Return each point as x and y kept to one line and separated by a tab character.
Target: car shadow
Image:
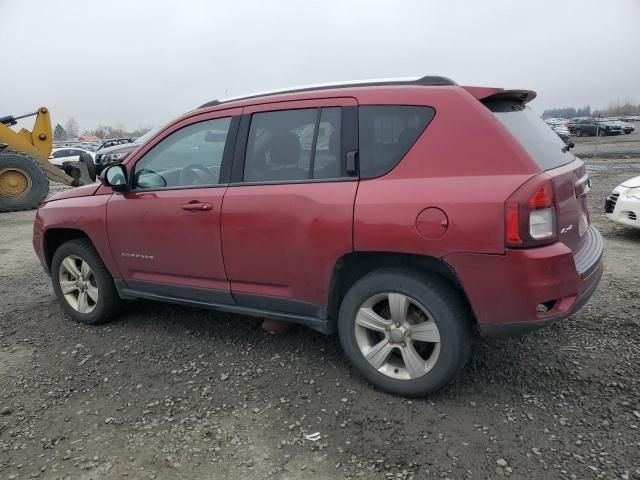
497	363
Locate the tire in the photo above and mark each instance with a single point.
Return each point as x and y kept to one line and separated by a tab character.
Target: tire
108	303
578	132
436	301
29	176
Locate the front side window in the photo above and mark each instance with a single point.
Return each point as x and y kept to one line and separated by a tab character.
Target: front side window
191	156
293	145
386	133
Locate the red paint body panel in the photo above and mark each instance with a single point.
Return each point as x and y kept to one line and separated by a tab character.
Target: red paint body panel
83	191
185	244
508	288
284	240
87	214
465	164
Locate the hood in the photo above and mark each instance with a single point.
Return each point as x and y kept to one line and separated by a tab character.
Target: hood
83	191
123	148
632	183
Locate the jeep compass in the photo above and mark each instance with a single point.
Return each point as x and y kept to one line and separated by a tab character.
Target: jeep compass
405	215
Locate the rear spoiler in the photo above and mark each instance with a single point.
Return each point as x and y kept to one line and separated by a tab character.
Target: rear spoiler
487	93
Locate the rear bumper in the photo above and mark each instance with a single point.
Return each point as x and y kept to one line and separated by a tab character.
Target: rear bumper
520	328
524	290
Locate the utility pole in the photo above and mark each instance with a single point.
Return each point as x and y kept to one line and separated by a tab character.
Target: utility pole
595	153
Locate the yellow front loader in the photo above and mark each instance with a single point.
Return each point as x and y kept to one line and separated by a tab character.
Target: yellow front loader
24	163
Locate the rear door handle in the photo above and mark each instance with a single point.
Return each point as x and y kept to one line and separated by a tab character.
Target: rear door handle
196	205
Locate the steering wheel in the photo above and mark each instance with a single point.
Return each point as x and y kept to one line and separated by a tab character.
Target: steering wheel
153	180
195	174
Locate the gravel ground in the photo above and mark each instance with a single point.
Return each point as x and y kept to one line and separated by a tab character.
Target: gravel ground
168	392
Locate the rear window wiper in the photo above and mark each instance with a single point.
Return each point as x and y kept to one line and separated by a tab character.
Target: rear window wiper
568	147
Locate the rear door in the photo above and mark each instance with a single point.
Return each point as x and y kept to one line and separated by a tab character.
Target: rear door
288	213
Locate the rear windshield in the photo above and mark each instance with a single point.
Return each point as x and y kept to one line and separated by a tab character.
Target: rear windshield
538	139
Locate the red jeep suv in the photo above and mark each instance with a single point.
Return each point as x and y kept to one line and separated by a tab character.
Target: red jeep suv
402	214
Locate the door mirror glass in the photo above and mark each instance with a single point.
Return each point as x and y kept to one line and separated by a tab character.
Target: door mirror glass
115	177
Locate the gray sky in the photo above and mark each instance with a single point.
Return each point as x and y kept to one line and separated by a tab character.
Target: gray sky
145	62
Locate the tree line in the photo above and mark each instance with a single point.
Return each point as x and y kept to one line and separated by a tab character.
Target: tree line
615	108
72	130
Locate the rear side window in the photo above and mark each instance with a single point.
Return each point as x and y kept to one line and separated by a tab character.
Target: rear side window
537	138
386	133
294	145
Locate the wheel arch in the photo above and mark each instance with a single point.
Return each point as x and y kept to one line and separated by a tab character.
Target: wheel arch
354	265
55	237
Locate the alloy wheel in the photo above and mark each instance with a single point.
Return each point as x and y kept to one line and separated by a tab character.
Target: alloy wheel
78	284
397	336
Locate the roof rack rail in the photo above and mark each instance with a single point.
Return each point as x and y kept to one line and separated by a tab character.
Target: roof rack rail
426	80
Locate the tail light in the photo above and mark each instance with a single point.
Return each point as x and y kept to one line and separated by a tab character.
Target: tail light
530	215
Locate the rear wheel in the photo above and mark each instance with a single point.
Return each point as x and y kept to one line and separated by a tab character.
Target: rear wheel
406	332
23	184
83	284
578	132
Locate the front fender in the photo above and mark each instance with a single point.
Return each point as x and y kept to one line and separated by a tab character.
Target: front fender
87	215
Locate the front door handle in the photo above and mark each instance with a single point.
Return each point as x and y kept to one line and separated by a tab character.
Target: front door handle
196	205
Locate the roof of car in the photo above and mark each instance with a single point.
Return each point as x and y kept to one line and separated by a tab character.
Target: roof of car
69	147
430	80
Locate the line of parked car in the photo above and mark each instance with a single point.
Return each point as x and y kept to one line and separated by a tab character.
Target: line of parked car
97	155
582	126
623	205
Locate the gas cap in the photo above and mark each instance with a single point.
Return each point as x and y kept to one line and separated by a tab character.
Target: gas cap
432	223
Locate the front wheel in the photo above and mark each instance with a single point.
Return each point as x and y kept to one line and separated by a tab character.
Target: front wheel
578	132
82	283
406	332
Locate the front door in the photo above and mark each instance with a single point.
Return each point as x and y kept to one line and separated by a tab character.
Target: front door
165	232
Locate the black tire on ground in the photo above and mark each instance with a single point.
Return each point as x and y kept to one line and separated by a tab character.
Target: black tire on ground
38	179
578	132
109	303
446	306
91	167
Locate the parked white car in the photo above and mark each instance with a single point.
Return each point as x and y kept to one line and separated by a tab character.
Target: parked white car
68	154
623	205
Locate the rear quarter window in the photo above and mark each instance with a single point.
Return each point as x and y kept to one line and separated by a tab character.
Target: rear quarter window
537	138
386	133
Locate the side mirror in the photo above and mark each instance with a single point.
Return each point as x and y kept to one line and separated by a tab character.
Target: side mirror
115	177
